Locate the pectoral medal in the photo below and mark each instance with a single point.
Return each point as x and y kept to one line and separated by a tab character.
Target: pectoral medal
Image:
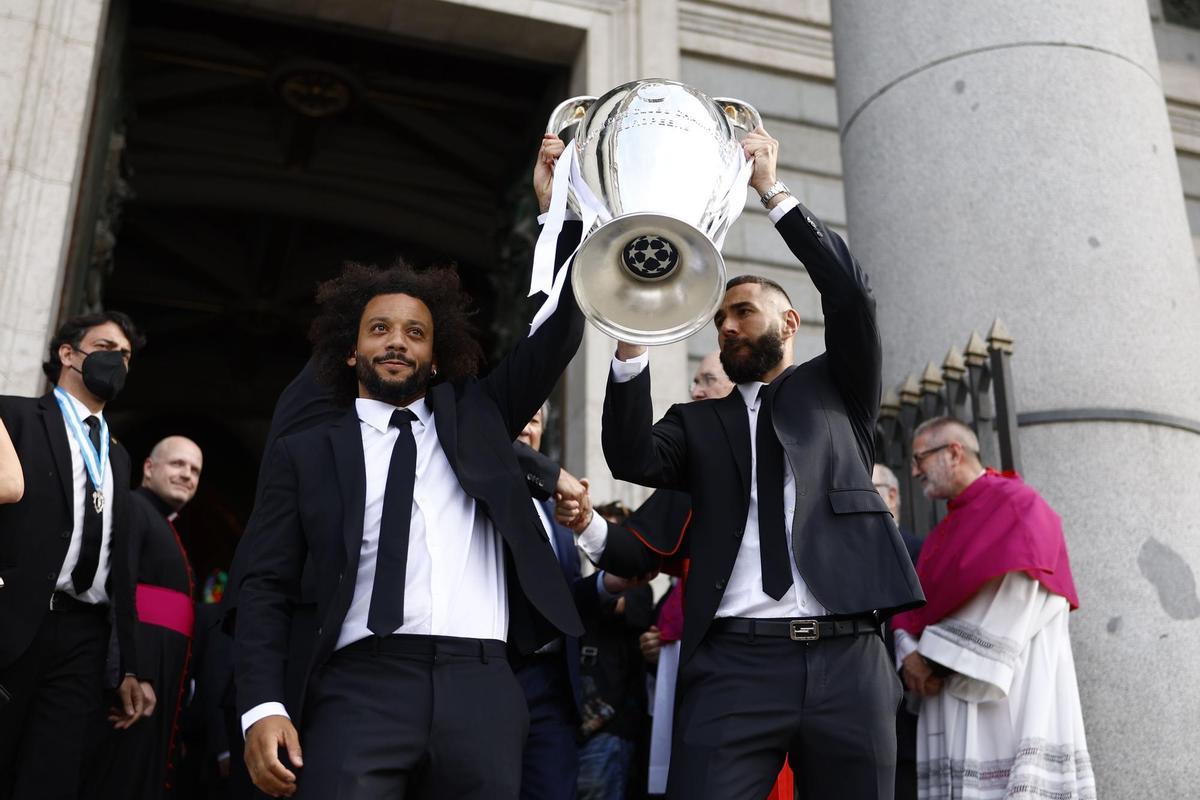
95	459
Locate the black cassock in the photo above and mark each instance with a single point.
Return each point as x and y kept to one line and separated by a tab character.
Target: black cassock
139	762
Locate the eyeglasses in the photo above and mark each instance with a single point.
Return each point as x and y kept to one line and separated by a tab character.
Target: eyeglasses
917	458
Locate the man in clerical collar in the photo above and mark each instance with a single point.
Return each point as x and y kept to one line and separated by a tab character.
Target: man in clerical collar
65	553
993	645
139	762
171	473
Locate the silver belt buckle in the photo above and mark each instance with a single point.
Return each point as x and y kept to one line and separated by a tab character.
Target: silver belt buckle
804	630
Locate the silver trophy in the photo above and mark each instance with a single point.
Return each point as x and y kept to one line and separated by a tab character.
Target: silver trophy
658	166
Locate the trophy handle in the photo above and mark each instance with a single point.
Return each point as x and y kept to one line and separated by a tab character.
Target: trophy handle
740	115
568	113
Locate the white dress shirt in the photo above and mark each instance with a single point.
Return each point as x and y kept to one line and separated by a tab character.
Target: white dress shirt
97	593
454	583
744	595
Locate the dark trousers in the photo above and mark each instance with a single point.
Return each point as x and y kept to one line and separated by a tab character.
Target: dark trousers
57	689
744	704
906	755
550	764
444	719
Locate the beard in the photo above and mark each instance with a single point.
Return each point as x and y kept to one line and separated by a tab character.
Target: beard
747	360
394	392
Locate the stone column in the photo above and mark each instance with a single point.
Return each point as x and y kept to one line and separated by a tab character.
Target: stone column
47	69
1020	163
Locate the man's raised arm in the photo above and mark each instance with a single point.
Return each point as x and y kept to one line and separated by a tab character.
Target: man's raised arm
524	378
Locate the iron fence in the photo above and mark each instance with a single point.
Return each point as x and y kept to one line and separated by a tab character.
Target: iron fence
973	384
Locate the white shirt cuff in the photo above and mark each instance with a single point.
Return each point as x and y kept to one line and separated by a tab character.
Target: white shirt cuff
594	538
905	646
259	711
625	371
785	205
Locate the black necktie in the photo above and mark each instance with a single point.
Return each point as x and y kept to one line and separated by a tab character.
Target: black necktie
93	525
386	613
772	536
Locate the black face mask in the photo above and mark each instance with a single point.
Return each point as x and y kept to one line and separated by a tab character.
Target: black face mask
103	373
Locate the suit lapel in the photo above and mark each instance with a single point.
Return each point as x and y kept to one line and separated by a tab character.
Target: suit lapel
731	410
445	421
56	431
770	393
346	440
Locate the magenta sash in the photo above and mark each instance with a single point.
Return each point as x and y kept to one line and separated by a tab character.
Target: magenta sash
996	525
167	608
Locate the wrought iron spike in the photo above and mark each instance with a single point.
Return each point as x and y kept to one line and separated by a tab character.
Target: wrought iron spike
889	406
910	391
954	367
931	379
999	338
976	353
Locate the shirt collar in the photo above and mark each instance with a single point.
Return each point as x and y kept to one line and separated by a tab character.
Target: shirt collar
157	502
378	414
81	411
750	392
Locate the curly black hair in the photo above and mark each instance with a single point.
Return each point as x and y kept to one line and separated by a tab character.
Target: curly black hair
342	300
74	329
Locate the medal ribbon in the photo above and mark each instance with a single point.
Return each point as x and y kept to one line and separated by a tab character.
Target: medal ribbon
95	463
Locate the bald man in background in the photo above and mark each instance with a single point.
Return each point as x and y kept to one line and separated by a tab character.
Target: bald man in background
139	761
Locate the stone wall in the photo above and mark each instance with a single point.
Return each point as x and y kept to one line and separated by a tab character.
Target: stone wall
779	58
47	69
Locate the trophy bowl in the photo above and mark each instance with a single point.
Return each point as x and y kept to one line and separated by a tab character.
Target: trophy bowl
659	167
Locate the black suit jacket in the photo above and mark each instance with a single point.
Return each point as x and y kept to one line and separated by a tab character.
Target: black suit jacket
845	542
35	532
313	500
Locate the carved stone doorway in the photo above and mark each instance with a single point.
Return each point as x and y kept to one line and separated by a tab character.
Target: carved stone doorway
259	154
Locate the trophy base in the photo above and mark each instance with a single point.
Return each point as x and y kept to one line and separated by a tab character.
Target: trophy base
648	279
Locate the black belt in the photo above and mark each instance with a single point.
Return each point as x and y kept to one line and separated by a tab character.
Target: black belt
798	630
430	647
61	601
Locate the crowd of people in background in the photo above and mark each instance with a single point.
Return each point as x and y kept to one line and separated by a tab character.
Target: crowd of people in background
120	677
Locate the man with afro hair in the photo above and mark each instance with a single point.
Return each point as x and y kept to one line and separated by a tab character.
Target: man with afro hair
430	563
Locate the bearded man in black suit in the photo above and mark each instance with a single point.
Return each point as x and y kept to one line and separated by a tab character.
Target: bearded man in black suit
795	560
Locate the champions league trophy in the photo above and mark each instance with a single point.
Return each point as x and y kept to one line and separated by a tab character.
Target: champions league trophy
657	175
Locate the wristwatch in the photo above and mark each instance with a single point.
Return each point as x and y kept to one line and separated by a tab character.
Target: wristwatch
778	187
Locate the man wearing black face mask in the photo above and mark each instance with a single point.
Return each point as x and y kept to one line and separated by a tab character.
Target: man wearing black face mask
65	565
